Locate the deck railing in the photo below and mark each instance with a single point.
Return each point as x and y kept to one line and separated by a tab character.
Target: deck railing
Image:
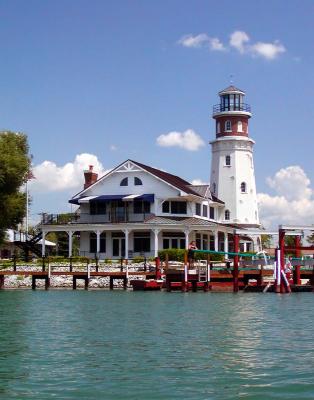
218	108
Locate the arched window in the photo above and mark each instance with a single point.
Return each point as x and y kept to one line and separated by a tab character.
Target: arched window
228	161
124	182
218	127
240	127
228	126
243	187
137	181
227	215
214	187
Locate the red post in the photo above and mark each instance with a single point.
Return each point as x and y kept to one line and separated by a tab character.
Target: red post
297	271
236	264
282	260
158	272
185	282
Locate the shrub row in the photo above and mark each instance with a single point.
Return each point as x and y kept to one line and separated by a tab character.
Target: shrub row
178	255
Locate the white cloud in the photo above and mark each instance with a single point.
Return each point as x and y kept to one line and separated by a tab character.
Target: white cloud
238	40
291	183
216	44
198	182
113	147
267	50
49	177
201	40
193	41
188	140
293	202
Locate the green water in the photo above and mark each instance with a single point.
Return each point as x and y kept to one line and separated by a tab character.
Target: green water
126	345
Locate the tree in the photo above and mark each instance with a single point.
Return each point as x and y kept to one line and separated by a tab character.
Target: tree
14	170
266	241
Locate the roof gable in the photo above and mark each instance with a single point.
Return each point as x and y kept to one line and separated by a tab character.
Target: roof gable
172	180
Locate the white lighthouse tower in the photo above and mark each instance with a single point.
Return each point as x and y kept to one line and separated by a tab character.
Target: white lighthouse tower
232	169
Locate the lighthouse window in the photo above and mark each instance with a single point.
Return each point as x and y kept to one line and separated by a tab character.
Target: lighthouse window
218	127
214	187
227	215
243	187
228	126
228	161
124	182
240	128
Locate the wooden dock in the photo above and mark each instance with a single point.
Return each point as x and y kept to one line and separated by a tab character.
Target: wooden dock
211	276
76	275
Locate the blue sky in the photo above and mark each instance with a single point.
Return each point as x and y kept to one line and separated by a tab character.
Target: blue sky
109	77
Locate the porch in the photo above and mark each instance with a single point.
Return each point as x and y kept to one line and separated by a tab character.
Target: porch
114	241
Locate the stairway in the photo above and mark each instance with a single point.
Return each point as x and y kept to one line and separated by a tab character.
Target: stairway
28	244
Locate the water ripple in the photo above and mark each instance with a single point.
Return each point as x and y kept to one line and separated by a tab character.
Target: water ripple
125	345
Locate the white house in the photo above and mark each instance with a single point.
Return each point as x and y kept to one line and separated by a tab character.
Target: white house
137	210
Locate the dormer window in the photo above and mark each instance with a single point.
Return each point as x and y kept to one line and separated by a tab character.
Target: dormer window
227	215
137	181
240	127
124	182
228	126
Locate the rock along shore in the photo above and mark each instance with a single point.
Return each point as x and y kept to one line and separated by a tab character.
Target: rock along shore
21	281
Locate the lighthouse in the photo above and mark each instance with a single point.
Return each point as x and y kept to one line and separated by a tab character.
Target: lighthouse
232	169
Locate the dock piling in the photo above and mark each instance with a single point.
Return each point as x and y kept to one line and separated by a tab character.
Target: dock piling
1	282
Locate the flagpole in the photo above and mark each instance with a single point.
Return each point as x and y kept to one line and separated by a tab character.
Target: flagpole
27	211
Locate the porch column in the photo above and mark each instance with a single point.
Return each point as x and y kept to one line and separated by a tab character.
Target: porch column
126	233
226	247
187	232
43	244
70	234
98	233
216	240
156	232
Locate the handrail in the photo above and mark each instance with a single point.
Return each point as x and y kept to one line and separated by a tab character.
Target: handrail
218	108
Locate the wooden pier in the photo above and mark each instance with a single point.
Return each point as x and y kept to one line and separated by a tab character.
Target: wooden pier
76	275
248	275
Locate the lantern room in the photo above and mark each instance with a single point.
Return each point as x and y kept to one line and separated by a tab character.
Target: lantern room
231	114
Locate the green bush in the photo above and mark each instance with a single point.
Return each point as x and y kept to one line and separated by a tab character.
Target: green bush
173	254
138	259
178	255
67	260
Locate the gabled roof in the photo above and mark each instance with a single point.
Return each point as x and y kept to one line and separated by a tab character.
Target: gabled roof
173	180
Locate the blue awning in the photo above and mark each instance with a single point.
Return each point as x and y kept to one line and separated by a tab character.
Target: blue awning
111	197
105	197
146	197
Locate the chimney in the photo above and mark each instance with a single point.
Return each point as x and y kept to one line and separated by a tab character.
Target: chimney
90	177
